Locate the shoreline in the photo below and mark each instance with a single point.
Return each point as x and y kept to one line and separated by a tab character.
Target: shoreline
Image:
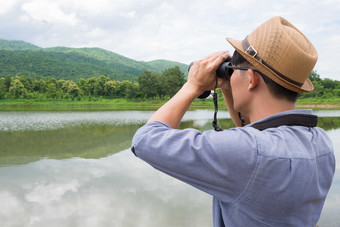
123	104
318	106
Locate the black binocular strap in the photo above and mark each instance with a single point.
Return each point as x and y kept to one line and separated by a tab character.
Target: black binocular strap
214	123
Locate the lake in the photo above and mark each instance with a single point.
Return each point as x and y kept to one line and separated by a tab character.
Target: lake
76	169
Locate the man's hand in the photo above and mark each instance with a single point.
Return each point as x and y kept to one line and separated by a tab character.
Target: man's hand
202	74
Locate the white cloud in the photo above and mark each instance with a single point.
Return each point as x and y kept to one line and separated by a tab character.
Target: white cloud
48	12
9	204
45	193
7	6
129	14
89	6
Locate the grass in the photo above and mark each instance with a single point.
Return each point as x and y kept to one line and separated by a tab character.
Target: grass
317	102
124	104
100	104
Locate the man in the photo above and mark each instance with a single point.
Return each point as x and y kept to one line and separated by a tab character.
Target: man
276	170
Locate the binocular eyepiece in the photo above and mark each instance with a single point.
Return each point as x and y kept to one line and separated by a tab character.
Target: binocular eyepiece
222	72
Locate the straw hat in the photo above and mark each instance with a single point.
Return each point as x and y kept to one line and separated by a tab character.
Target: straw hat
280	51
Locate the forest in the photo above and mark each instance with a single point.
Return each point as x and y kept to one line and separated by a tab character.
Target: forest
149	85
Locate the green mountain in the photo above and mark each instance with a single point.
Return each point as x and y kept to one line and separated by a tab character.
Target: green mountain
21	58
16	45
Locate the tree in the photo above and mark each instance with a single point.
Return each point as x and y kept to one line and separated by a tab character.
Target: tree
17	89
123	87
314	76
39	85
132	91
328	83
74	90
83	86
71	88
99	86
90	85
110	88
27	82
173	80
149	84
51	91
8	81
61	86
3	88
51	80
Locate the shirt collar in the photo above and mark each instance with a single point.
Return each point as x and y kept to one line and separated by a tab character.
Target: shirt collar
303	117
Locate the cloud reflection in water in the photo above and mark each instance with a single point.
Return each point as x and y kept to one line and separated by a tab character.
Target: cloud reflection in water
119	190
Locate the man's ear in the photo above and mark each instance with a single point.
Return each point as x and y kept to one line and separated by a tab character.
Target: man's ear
253	79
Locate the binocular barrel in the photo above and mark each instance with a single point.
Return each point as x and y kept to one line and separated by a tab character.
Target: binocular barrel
221	72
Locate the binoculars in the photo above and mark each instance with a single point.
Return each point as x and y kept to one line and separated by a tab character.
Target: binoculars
223	71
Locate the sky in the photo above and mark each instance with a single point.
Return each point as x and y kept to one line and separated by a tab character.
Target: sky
175	30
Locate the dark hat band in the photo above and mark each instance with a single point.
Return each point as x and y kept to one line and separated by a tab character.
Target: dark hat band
250	50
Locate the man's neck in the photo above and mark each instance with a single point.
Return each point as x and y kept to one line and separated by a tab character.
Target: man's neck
268	108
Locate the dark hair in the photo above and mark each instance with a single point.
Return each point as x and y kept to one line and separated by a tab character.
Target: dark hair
275	89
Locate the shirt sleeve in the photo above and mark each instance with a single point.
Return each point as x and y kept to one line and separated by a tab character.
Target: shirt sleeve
219	163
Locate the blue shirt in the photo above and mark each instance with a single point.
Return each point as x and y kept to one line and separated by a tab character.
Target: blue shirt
278	176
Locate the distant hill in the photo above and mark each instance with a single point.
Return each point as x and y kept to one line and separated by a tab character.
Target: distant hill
16	45
21	58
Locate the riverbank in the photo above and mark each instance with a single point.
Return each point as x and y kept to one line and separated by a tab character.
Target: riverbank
124	104
81	105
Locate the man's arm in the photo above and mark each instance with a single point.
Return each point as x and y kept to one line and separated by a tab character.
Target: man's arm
201	77
172	112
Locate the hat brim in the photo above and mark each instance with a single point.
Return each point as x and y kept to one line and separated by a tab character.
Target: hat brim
306	87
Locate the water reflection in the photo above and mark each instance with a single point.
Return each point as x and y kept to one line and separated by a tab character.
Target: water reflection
66	169
119	190
41	121
21	147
